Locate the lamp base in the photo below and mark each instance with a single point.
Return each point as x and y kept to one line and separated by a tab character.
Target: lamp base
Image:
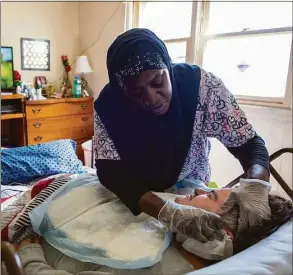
83	82
84	93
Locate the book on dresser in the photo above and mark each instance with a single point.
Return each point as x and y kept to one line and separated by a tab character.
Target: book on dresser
53	119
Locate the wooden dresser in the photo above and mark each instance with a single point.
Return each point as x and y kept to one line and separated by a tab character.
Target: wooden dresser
52	119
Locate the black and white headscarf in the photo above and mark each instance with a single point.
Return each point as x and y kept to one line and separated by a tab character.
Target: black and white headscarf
139	63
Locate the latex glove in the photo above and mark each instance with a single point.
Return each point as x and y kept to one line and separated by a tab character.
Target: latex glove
252	198
191	222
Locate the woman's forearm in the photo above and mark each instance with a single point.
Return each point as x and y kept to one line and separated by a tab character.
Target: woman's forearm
256	171
34	262
151	204
34	268
254	158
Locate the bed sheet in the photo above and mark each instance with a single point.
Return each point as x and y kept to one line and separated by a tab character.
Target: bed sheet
10	193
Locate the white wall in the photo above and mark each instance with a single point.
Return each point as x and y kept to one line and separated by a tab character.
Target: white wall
275	127
93	16
55	21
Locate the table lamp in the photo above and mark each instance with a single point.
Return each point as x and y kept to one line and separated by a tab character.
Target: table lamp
82	68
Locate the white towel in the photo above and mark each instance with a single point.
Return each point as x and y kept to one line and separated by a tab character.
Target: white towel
212	250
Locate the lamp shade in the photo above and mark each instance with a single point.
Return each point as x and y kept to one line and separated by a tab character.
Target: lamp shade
82	65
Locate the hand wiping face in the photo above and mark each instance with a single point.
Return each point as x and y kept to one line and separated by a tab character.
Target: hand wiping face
241	208
252	200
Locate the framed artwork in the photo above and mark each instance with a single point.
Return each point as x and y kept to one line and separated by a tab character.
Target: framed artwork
35	54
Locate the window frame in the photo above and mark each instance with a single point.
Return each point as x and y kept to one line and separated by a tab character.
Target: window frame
187	39
196	42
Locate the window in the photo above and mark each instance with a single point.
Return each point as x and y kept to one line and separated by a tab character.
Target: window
247	44
159	17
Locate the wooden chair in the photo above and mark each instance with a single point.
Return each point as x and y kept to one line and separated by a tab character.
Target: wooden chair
12	262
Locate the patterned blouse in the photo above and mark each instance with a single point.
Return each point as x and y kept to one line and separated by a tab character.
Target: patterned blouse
218	116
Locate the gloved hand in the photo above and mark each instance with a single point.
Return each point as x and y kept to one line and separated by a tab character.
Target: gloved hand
191	222
252	198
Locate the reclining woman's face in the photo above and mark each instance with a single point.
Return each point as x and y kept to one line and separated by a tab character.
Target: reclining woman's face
211	201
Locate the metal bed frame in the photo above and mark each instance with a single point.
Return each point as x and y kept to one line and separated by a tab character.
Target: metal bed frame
11	260
274	173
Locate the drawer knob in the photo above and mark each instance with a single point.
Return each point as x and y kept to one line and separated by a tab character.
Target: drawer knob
84	119
37	124
36	111
84	131
84	106
38	138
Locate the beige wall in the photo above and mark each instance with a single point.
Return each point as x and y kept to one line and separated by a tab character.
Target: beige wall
70	27
58	22
93	15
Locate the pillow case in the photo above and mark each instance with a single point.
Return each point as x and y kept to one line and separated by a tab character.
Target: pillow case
270	256
23	164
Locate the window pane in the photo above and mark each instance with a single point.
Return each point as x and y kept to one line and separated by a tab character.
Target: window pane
177	51
228	17
169	20
251	66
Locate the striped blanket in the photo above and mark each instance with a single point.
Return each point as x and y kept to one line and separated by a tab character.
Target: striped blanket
17	201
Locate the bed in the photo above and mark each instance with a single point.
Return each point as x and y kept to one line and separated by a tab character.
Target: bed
275	256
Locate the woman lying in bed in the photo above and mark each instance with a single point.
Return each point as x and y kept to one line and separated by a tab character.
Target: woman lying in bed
230	203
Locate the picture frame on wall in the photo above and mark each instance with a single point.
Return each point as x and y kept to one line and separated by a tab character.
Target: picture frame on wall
35	54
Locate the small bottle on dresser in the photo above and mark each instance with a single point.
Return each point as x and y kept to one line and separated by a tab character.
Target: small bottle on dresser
77	87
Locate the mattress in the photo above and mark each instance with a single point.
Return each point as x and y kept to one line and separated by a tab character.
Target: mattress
270	256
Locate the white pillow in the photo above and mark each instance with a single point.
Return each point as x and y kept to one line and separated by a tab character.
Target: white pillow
270	256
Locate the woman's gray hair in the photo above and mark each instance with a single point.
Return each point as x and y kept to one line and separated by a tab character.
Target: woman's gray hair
230	218
247	206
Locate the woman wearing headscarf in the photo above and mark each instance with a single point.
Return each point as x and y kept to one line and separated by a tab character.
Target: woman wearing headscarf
153	121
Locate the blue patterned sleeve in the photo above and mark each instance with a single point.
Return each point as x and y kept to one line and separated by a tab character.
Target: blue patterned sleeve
219	115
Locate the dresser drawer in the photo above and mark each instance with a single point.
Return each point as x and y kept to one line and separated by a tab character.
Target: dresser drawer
58	109
44	125
36	136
